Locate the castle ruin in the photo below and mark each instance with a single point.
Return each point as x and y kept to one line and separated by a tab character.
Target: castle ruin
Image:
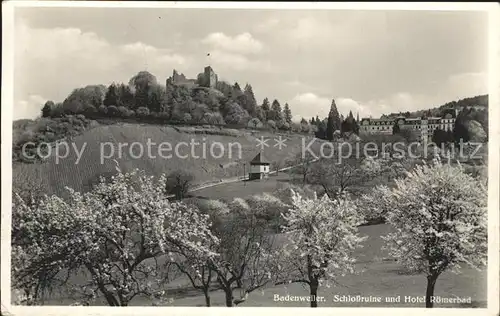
179	79
208	79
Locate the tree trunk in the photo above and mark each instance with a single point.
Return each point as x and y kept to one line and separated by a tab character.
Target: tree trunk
431	282
313	287
207	298
110	298
229	297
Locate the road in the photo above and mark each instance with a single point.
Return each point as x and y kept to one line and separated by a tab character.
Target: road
238	179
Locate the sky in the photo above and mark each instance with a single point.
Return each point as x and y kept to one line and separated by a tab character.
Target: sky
371	62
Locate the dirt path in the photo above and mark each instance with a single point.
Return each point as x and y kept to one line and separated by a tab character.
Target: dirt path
238	179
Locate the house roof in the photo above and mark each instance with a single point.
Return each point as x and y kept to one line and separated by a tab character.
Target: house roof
259	160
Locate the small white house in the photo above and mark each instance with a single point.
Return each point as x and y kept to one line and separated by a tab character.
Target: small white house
259	168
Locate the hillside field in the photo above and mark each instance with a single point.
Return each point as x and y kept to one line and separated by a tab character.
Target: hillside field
55	176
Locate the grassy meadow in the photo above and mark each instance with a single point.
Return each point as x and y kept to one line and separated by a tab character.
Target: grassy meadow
376	275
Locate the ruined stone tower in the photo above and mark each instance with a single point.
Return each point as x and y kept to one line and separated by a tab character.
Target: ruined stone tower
210	77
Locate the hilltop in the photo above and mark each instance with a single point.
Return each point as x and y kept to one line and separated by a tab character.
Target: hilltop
204	110
204	100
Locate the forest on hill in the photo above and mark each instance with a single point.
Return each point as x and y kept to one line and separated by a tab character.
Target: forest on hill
471	121
145	98
472	108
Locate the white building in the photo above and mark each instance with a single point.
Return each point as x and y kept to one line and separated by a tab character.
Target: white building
424	126
259	168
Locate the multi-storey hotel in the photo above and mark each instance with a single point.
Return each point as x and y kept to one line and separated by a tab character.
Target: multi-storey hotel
424	126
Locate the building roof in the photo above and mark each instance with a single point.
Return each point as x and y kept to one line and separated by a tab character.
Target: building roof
259	160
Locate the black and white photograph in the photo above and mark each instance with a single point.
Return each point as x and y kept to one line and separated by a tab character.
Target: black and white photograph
212	155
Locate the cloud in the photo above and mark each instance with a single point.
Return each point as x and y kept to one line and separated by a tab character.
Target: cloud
397	102
243	43
267	25
331	34
458	86
29	108
346	105
307	28
376	62
53	61
301	105
226	61
157	57
468	84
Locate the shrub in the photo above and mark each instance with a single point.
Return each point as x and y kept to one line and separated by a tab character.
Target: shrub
103	109
123	111
295	127
408	135
142	111
236	114
57	110
26	136
254	123
113	111
214	118
268	208
186	118
47	109
271	124
164	116
50	136
89	110
67	118
199	112
284	192
373	205
177	183
285	126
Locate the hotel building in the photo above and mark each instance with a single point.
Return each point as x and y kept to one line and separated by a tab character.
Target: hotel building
424	126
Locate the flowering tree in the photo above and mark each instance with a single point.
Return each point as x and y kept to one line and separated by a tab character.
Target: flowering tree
246	251
199	274
439	216
246	256
322	235
335	177
374	205
197	269
115	233
302	164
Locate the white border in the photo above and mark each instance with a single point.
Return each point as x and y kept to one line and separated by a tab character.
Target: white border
494	151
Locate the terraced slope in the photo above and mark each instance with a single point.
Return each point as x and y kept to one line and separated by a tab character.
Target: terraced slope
55	176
